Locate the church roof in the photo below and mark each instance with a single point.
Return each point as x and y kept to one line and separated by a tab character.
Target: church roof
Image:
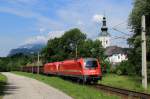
104	33
115	50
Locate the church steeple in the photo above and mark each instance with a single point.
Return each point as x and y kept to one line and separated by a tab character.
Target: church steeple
104	28
104	36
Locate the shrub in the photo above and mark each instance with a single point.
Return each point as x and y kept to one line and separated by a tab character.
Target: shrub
119	72
106	66
125	68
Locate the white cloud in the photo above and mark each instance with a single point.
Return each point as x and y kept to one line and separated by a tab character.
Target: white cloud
22	2
54	34
25	1
42	30
97	18
23	13
41	20
79	22
36	40
43	39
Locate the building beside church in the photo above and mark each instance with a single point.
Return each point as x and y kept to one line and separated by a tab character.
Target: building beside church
114	54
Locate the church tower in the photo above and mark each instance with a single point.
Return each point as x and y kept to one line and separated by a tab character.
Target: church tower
104	36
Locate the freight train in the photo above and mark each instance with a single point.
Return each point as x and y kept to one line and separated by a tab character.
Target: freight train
82	69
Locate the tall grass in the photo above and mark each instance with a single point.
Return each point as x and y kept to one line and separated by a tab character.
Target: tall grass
3	81
126	82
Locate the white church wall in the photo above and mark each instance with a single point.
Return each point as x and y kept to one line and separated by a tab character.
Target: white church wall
105	41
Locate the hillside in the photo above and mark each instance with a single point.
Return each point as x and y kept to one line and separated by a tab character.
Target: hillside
27	49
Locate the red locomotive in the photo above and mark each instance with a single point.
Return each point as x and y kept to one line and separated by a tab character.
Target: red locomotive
85	69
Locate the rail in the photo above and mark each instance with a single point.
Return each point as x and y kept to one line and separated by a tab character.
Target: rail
124	92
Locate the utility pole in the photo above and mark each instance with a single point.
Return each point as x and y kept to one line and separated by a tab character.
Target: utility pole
144	64
38	69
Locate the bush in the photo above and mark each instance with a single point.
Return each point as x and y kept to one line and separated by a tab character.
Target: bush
106	66
119	72
125	68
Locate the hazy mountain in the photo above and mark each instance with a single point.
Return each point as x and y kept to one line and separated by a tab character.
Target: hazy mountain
27	49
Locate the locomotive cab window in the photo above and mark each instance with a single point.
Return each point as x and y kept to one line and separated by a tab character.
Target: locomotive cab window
91	64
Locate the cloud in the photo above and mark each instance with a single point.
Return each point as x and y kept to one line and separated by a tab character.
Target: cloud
42	30
55	15
79	22
36	40
40	39
69	17
22	2
42	21
14	11
54	34
97	18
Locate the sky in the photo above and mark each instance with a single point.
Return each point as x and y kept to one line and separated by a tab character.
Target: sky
36	21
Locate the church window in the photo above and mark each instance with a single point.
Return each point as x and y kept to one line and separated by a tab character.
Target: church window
118	57
106	41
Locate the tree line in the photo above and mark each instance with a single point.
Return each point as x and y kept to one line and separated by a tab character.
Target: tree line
72	44
141	7
133	65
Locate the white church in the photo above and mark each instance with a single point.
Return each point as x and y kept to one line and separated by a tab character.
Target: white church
114	54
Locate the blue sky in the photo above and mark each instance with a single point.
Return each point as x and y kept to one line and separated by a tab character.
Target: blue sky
32	21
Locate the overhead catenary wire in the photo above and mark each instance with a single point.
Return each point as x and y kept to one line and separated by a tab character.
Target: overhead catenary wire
118	37
121	37
121	32
116	29
125	35
120	23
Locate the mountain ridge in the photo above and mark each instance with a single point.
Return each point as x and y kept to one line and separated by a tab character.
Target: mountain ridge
27	49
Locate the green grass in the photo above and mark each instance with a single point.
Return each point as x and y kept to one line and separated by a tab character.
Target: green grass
125	82
74	90
3	81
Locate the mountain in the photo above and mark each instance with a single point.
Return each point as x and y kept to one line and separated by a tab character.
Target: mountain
27	49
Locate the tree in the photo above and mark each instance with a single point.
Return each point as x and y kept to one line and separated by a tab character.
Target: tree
14	62
141	7
70	40
89	48
62	48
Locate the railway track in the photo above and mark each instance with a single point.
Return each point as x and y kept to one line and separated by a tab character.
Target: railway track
126	94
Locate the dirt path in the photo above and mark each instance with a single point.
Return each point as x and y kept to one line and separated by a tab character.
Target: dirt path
20	87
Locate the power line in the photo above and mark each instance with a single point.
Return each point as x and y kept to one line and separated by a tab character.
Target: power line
119	24
122	37
119	37
115	28
121	32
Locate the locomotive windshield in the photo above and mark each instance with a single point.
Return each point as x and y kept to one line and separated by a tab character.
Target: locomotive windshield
91	63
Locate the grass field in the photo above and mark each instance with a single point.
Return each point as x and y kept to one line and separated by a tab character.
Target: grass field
2	83
74	90
125	82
